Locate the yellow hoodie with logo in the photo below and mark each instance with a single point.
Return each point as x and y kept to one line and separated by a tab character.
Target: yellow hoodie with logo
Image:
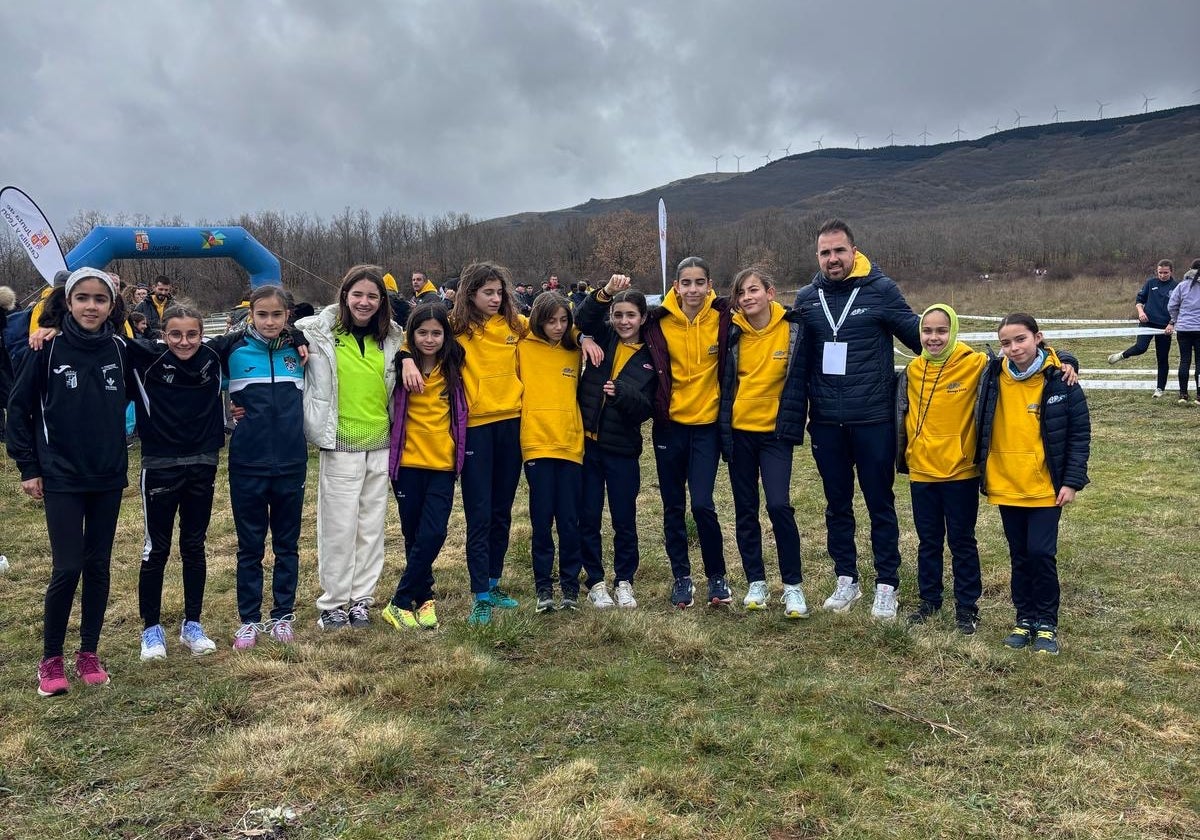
551	424
692	346
940	423
490	373
1017	473
762	369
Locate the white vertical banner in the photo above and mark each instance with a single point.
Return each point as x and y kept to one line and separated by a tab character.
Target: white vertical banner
662	241
32	230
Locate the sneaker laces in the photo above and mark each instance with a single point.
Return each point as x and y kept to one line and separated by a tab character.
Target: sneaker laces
87	663
249	630
844	591
882	599
358	611
53	668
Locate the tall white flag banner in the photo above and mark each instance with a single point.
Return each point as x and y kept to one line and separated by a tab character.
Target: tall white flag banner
662	241
33	232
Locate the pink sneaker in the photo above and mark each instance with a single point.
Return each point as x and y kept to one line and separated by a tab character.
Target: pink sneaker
52	677
247	636
281	629
88	666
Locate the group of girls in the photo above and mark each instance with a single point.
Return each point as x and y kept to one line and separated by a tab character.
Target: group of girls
67	436
486	391
1015	427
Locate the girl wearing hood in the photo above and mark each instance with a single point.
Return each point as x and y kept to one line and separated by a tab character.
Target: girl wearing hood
552	449
1034	441
935	401
761	419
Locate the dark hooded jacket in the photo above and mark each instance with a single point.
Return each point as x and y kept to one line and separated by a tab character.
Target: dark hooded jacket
865	393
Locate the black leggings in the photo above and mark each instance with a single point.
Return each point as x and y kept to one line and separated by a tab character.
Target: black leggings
1189	346
81	528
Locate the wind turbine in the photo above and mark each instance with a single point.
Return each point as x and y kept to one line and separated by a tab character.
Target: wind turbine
715	159
924	135
995	127
817	142
1057	111
739	162
787	150
1146	103
958	132
1103	105
858	138
768	157
892	138
1020	117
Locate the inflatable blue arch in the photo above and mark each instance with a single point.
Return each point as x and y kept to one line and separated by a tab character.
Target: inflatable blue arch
105	244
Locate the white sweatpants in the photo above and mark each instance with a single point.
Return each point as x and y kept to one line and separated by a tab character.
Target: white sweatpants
352	498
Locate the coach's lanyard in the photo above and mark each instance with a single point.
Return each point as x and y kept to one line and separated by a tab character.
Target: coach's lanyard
845	311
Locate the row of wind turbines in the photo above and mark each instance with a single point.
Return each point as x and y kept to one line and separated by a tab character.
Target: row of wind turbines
924	134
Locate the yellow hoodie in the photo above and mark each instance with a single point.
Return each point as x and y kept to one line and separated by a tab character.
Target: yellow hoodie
762	368
692	346
428	287
1017	473
551	425
490	373
940	423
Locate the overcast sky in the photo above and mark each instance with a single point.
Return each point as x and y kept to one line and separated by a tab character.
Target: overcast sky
487	107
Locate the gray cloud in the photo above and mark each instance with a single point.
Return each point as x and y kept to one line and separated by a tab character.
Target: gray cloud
210	110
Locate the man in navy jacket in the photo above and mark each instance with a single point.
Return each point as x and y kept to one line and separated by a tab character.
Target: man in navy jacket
851	313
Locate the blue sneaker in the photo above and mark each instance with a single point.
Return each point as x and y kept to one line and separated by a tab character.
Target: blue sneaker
681	592
481	613
154	643
718	592
502	599
193	637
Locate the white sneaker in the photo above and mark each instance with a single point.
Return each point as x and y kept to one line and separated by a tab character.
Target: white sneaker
193	637
154	643
756	595
794	605
1158	392
625	599
847	592
885	602
600	598
1113	358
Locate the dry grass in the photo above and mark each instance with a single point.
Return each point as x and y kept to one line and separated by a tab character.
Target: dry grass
655	724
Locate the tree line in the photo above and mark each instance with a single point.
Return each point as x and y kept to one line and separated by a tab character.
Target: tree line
941	245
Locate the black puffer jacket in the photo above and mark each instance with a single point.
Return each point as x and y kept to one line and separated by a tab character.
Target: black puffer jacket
865	393
1066	426
617	420
789	423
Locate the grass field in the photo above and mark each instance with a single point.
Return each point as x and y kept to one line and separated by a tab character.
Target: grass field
654	724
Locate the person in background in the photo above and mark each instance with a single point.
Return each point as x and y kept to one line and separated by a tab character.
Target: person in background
424	291
154	305
448	289
1183	310
1151	304
8	302
400	305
